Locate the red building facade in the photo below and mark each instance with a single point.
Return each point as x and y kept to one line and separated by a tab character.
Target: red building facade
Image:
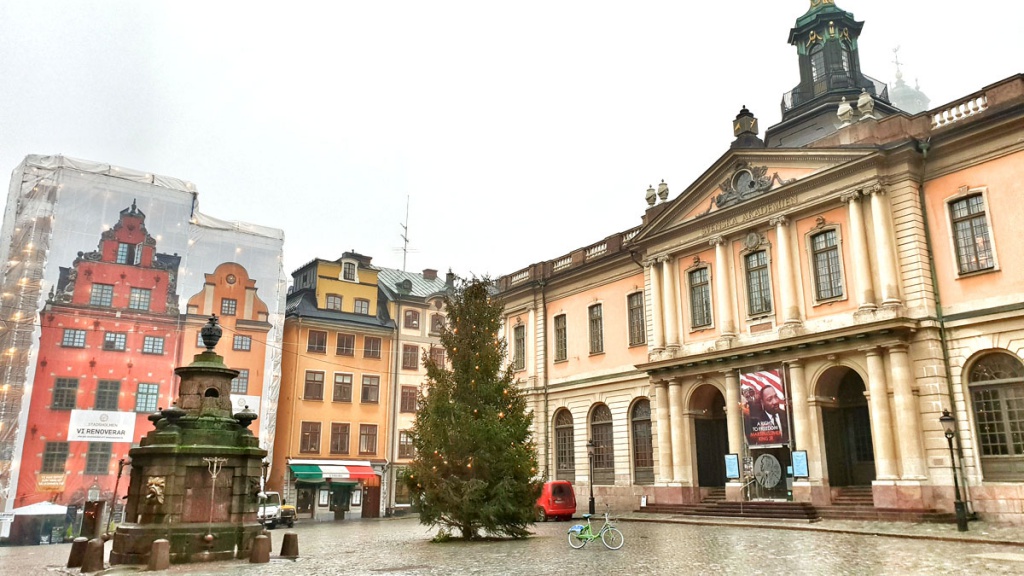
108	344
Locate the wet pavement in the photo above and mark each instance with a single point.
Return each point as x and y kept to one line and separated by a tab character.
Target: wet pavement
654	545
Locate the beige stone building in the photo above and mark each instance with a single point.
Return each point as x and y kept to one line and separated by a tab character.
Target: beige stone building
793	323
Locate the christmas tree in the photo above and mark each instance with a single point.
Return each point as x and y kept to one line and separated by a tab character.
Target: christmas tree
476	463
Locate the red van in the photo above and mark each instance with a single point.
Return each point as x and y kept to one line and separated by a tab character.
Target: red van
557	500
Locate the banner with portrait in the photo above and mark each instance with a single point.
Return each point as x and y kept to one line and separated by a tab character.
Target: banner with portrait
765	410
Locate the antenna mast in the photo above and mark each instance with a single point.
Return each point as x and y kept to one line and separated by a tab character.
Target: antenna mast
405	234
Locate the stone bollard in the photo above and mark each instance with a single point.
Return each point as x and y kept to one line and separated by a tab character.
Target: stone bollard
159	555
77	552
290	545
92	560
260	550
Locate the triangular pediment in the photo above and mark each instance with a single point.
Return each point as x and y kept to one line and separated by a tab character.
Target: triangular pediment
739	181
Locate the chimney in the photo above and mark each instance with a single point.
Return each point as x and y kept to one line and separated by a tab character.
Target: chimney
449	279
429	274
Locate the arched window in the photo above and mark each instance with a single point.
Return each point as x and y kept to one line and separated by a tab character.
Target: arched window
565	457
604	445
643	443
996	382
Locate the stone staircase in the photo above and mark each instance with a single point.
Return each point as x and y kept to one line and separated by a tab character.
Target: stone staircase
848	503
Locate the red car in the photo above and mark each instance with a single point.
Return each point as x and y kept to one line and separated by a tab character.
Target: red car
557	500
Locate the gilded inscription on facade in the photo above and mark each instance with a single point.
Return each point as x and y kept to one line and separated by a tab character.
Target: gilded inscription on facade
752	214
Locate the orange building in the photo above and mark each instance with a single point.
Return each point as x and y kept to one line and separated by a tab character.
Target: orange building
795	323
231	294
336	389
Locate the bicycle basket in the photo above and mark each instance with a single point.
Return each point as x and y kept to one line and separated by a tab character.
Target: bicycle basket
577	529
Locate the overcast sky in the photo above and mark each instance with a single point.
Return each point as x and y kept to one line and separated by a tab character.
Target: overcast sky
518	131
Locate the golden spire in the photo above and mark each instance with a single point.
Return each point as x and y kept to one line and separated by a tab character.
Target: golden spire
816	3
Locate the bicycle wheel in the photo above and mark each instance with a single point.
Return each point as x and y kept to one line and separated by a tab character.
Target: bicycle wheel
612	538
576	541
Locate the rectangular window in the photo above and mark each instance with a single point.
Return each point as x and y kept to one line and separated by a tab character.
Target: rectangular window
370	393
828	281
129	253
519	348
408	399
333	302
73	338
228	306
362	306
412	319
436	324
349	271
342	387
339	438
309	440
371	347
346	345
108	393
243	343
314	388
410	356
759	290
437	356
138	299
405	447
55	457
114	341
367	438
240	384
561	339
596	329
102	295
970	231
637	324
316	342
97	460
65	393
122	253
153	345
700	298
146	398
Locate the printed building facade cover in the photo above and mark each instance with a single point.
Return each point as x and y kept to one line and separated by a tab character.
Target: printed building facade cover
108	276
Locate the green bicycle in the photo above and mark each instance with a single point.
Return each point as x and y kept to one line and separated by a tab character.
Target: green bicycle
610	536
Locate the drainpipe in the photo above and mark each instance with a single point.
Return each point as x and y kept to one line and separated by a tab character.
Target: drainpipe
285	485
395	396
923	147
547	411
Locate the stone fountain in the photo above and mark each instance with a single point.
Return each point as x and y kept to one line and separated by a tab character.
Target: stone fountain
195	478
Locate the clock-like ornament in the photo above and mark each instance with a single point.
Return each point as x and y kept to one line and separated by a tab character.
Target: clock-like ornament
767	470
231	279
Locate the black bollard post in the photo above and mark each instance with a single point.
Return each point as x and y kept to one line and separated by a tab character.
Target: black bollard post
290	545
92	561
77	552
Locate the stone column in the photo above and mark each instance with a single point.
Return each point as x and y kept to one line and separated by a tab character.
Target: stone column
733	413
657	314
885	247
881	417
664	430
675	406
865	291
801	410
787	272
908	415
671	295
723	288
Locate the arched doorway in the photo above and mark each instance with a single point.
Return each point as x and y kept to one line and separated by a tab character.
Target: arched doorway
711	433
849	454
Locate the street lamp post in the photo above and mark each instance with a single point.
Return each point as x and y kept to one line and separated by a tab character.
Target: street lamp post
590	455
949	429
263	497
113	497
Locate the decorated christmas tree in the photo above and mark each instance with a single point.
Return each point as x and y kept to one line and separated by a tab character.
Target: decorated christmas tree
476	463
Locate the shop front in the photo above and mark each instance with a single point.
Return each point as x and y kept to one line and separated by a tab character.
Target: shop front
330	489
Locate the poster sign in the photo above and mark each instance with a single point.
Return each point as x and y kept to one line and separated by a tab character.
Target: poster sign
50	483
732	466
101	426
240	401
800	464
765	418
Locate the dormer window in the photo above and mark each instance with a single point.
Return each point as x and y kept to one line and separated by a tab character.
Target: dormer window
129	253
348	272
